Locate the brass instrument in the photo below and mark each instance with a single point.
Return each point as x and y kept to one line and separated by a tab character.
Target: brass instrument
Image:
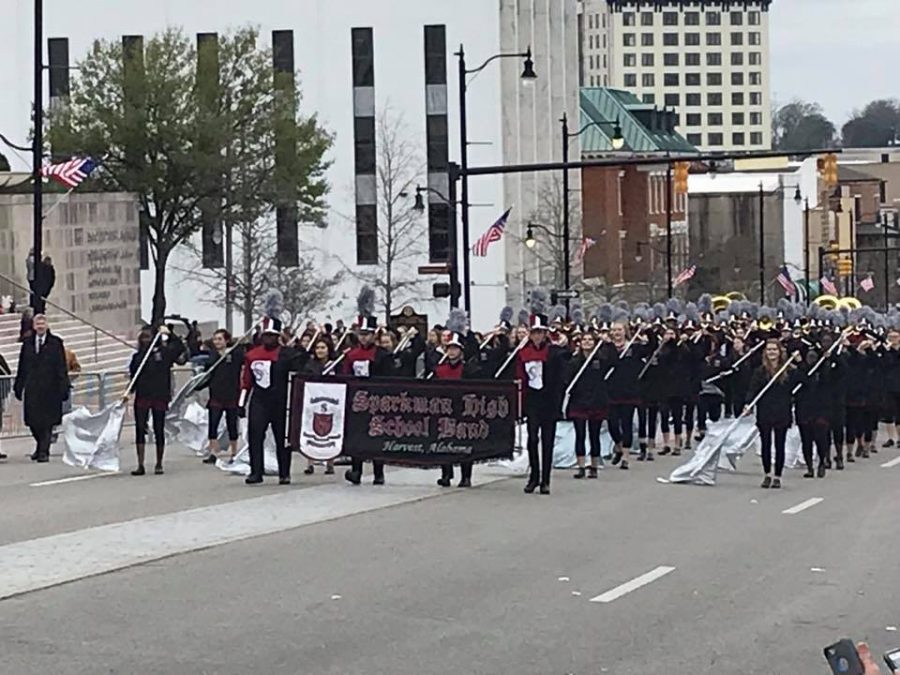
736	296
848	303
720	303
826	302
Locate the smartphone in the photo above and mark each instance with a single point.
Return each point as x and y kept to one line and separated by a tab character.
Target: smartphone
892	659
844	659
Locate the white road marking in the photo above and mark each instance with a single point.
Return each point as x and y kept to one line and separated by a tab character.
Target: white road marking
894	462
634	584
802	506
73	479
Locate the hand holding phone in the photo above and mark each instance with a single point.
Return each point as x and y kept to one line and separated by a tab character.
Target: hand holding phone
844	659
892	659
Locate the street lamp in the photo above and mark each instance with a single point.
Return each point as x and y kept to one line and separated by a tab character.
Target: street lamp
528	77
419	205
530	241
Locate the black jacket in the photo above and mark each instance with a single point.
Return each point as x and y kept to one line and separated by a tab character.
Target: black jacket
622	384
674	370
861	373
774	408
42	380
589	393
813	399
224	382
155	381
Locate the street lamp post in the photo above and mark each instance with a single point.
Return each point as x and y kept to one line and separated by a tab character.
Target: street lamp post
528	77
670	284
806	247
452	252
762	246
37	149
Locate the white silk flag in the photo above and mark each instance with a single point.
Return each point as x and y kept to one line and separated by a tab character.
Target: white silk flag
322	423
92	439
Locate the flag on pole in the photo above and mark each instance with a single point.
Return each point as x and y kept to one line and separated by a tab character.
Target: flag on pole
586	243
867	284
685	275
493	233
829	286
784	278
70	174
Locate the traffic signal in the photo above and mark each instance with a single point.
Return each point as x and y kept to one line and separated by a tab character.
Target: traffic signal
441	289
830	169
845	267
682	169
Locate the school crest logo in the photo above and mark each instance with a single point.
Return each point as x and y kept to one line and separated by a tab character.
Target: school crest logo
322	424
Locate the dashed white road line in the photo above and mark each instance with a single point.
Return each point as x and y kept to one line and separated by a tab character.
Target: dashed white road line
73	479
634	584
802	506
894	462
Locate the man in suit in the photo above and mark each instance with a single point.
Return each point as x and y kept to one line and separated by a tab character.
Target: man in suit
42	381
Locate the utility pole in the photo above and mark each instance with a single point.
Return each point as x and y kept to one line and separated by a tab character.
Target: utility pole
37	150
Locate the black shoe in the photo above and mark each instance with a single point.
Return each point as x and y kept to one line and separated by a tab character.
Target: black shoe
888	443
650	456
33	456
210	459
158	470
767	483
310	470
443	481
352	476
138	471
809	474
579	474
617	457
624	465
687	444
2	456
464	483
378	480
821	471
865	453
43	459
776	483
839	464
873	449
592	472
329	470
676	452
284	481
545	489
850	457
700	436
253	480
828	463
859	452
665	451
642	456
530	487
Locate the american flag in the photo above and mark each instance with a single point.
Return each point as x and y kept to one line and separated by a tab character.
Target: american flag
685	275
828	285
493	233
784	278
72	173
867	284
586	243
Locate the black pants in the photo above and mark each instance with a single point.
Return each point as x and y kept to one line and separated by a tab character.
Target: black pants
710	408
621	424
541	430
261	416
857	424
766	432
356	465
585	429
465	470
647	415
673	408
141	417
689	407
837	435
42	436
812	433
231	423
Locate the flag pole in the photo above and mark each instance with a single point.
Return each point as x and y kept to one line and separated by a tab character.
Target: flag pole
58	202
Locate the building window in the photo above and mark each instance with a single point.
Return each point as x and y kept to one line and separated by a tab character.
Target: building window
693	119
649	98
714	139
737	58
737	18
714	79
714	119
755	98
755	79
647	80
646	39
591	61
692	79
737	98
713	39
714	98
593	81
366	234
695	139
753	18
629	40
672	100
737	138
756	118
670	39
629	60
627	18
646	18
692	18
647	60
692	100
630	80
714	59
755	58
692	39
671	79
591	41
754	39
670	18
737	39
670	59
692	59
737	79
713	19
604	62
755	138
737	118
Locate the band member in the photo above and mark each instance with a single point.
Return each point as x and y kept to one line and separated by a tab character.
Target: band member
455	367
153	391
860	362
224	385
739	378
267	369
367	360
625	364
711	396
836	398
674	366
588	402
42	382
891	369
811	406
322	356
773	410
540	366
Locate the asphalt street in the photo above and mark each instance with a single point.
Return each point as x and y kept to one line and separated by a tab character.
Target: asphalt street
620	575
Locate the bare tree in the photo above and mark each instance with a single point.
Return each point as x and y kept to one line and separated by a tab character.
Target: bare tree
402	234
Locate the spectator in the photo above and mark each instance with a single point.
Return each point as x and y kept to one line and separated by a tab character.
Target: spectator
5	388
26	327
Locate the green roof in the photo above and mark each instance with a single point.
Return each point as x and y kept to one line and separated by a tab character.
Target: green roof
644	127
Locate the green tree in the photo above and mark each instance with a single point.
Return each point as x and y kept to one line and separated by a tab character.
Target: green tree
4	163
189	150
876	125
799	125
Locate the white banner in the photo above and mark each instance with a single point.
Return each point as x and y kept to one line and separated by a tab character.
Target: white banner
322	425
92	439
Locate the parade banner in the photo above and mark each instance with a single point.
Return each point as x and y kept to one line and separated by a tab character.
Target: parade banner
402	421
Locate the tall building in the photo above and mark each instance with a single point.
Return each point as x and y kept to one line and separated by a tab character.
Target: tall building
707	59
